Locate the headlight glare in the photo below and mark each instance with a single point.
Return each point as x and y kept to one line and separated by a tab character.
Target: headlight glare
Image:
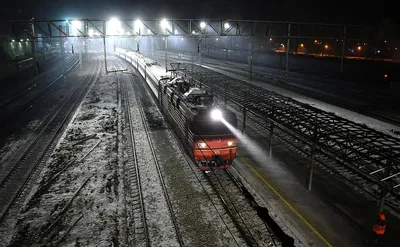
202	145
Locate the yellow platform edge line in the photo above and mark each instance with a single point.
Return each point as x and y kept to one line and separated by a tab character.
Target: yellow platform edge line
287	203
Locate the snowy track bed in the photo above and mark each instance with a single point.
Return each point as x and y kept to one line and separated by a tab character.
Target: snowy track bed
17	178
60	200
340	145
88	192
159	223
197	218
23	120
182	176
255	232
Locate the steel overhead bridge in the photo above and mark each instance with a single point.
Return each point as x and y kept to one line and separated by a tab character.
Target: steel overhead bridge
85	28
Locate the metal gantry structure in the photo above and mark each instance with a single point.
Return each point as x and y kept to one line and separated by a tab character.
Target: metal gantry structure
92	28
372	156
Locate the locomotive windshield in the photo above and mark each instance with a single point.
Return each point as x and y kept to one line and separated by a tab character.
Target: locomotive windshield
207	126
210	128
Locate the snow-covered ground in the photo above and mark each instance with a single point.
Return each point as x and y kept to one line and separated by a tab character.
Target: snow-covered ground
76	200
81	197
161	72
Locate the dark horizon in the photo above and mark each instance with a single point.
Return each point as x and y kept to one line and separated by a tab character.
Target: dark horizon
310	11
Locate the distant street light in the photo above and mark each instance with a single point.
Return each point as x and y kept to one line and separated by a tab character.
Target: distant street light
301	45
326	46
114	26
164	23
359	48
315	41
270	39
137	26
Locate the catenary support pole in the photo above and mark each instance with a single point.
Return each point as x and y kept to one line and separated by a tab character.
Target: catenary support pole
250	57
104	46
343	49
287	49
166	53
312	162
313	151
271	133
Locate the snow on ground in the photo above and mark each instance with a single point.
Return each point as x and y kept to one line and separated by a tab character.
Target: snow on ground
37	115
160	226
175	170
199	222
52	213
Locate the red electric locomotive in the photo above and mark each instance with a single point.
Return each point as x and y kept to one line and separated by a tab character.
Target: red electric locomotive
200	123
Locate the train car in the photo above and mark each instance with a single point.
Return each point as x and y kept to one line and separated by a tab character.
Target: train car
194	114
197	119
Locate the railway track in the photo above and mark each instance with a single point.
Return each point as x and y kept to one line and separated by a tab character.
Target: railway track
236	213
52	76
254	231
22	105
133	184
323	159
144	214
14	182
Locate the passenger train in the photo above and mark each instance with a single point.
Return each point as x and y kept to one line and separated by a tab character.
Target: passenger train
196	117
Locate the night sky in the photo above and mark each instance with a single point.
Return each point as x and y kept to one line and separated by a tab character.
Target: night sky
328	11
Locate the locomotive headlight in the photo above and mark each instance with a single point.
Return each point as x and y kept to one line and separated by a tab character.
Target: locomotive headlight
216	114
230	143
202	145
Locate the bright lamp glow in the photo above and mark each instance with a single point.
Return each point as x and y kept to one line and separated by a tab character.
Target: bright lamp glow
164	23
202	25
91	32
230	143
226	25
216	114
76	24
114	27
202	145
138	26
